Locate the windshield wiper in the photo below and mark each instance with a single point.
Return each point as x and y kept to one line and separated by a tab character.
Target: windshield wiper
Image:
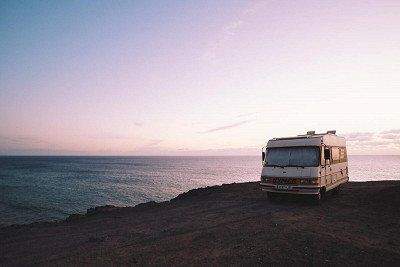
295	166
274	165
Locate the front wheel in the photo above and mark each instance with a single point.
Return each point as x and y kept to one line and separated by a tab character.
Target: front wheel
317	197
271	196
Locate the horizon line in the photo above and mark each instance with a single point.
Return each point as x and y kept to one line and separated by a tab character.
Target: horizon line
228	155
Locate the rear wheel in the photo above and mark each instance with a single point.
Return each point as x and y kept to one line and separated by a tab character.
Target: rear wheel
336	190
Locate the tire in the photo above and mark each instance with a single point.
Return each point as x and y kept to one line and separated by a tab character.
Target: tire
271	196
336	190
316	199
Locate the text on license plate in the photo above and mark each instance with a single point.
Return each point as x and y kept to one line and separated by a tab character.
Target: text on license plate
283	187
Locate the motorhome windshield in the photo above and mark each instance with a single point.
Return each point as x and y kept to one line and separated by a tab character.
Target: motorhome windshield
303	156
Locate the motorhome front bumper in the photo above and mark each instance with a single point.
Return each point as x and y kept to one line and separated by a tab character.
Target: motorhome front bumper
290	189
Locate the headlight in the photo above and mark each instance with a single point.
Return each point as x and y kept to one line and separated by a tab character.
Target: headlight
266	179
309	181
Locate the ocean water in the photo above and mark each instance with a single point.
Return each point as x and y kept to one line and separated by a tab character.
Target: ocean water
51	188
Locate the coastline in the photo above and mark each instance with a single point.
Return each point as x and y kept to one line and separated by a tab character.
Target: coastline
224	225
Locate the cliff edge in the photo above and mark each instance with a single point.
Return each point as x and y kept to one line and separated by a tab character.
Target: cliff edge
232	224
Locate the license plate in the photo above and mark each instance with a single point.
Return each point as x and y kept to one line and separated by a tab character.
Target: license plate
283	187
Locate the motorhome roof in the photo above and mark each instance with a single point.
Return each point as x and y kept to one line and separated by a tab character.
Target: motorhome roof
302	136
296	137
329	138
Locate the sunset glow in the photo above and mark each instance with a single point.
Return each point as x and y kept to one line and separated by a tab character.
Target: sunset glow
196	77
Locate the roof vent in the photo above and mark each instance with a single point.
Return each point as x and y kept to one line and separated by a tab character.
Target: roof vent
310	132
331	132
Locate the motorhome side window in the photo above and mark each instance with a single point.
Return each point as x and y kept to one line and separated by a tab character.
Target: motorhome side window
342	154
338	155
335	155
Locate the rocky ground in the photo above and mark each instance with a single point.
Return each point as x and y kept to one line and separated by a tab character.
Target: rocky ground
232	224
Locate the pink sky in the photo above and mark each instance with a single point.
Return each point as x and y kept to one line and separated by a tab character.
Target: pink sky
196	78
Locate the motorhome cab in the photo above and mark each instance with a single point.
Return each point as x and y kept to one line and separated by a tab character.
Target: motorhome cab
308	164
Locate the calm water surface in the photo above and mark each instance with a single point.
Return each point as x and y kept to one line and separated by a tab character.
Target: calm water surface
51	188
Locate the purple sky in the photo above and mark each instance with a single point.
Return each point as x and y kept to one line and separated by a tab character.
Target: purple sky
196	77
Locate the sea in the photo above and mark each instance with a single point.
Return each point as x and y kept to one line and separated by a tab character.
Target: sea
34	189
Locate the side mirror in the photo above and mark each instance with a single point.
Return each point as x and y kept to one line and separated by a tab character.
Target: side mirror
327	153
263	156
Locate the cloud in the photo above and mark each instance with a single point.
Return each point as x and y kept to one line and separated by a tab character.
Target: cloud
226	36
106	136
358	136
390	136
393	131
136	123
371	143
21	140
30	145
254	7
369	136
240	151
376	143
153	142
231	29
149	148
228	126
247	114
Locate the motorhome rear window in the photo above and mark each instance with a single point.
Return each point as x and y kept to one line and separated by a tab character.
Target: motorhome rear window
302	156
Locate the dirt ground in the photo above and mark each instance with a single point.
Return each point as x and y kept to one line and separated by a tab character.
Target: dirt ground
232	224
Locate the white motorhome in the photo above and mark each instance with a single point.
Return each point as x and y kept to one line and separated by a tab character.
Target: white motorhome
309	164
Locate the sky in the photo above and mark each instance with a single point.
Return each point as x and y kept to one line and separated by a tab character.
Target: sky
196	77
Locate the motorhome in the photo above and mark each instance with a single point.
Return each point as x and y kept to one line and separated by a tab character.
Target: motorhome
309	164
